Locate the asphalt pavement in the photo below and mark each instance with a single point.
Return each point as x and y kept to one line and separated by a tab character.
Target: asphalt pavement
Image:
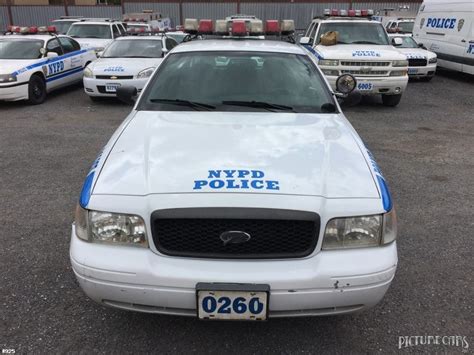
425	147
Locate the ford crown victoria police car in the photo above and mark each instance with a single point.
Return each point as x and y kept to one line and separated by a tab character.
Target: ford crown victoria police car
32	65
126	61
421	62
249	198
362	49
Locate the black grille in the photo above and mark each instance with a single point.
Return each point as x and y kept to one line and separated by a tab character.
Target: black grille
416	62
270	237
115	77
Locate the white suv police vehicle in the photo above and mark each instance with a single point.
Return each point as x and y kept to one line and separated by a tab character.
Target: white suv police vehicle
235	189
363	49
96	34
126	61
34	61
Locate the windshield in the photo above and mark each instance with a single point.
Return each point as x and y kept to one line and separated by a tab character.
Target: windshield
89	31
20	49
237	81
62	26
134	48
356	32
408	42
406	27
178	37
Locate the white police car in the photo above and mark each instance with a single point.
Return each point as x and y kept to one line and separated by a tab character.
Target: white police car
421	62
235	189
96	34
34	61
126	61
363	49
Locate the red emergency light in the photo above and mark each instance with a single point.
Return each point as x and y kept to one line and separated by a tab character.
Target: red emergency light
206	27
33	30
364	12
351	13
334	12
272	27
239	28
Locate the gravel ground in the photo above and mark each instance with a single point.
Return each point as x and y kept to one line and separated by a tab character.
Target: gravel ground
425	147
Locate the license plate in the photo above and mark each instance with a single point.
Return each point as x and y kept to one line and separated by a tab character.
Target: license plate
364	86
412	71
232	302
111	87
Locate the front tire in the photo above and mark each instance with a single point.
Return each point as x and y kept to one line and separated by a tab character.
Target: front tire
36	90
391	100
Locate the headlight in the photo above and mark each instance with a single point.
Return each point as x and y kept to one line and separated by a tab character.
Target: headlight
398	72
328	62
359	232
88	73
330	72
400	63
7	78
433	60
146	73
110	228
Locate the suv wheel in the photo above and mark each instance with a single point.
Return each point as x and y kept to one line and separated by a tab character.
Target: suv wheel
36	90
391	100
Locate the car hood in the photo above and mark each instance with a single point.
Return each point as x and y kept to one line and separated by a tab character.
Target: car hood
9	66
93	43
416	53
123	66
187	152
359	52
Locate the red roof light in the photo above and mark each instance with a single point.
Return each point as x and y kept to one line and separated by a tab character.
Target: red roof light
239	28
272	27
206	27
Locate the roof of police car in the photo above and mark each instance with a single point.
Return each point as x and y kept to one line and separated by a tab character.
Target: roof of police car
132	37
241	45
44	37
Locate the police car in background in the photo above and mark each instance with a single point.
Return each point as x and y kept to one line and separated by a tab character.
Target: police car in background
400	26
235	189
96	34
64	22
34	61
363	49
126	61
421	62
447	28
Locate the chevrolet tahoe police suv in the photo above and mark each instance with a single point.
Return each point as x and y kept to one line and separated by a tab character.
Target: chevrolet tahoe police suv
363	49
250	198
34	61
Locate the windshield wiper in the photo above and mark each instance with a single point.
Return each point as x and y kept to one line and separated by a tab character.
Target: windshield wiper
364	42
259	104
193	104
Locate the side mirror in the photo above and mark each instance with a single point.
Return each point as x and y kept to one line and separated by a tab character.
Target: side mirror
164	52
346	90
397	41
421	45
127	94
51	55
305	40
99	54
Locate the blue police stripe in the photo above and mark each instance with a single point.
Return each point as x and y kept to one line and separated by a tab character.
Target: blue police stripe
48	61
314	51
86	190
384	191
74	71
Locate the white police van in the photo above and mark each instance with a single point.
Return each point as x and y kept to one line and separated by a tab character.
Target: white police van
34	61
249	198
363	49
421	62
126	61
96	34
447	28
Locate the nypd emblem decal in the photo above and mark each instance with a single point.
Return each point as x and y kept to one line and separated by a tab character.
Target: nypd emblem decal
236	180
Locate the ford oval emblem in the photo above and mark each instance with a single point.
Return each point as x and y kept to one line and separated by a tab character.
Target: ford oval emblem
235	237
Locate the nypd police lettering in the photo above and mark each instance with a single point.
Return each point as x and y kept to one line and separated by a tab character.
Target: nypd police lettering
434	22
114	69
236	179
56	67
365	54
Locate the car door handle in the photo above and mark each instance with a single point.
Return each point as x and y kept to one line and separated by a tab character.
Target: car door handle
463	41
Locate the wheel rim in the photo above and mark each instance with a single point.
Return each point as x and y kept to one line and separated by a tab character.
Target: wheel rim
37	91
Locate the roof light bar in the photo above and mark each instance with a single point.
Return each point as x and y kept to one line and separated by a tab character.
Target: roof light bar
239	28
206	27
287	27
222	27
256	27
191	25
272	27
349	13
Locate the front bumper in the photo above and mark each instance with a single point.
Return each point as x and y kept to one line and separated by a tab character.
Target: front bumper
420	72
393	85
329	282
96	87
14	92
